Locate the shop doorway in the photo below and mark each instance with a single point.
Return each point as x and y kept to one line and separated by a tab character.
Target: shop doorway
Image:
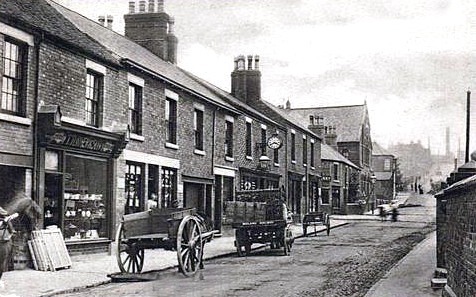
53	203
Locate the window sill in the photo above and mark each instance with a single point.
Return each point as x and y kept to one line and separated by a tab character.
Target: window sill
276	164
249	157
313	168
137	137
293	161
171	145
15	119
305	165
199	152
229	159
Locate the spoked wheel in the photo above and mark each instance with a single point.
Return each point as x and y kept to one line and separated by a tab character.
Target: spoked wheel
130	257
189	246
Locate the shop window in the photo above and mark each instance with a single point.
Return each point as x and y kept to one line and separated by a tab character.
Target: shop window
85	200
169	188
13	77
135	108
171	120
94	86
198	128
229	139
134	190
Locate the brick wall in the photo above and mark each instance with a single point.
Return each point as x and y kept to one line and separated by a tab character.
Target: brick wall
456	237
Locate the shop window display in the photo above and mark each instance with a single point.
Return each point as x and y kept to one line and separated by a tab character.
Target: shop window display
85	186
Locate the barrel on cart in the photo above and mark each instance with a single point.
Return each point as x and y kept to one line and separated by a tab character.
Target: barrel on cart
263	220
179	229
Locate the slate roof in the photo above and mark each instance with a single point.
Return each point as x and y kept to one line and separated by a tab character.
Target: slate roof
39	16
348	120
130	51
330	154
378	150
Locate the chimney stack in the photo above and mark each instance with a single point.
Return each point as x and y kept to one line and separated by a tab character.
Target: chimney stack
316	125
331	136
152	28
246	79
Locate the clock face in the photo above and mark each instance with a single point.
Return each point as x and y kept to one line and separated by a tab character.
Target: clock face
274	142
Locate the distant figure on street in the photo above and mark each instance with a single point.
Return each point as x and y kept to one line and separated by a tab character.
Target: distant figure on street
394	214
420	189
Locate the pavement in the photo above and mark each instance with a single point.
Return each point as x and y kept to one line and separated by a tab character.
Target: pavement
93	270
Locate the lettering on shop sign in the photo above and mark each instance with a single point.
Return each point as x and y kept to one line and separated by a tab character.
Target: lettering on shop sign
82	142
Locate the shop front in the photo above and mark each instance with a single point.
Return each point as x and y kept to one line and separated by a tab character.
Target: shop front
77	180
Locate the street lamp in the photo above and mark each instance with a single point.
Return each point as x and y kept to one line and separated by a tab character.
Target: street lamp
373	179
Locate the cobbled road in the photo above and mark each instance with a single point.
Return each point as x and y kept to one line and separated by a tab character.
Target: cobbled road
345	263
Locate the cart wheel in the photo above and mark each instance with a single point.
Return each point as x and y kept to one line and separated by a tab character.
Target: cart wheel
130	257
189	246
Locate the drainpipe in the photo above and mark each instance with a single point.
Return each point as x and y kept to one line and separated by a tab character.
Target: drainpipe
37	43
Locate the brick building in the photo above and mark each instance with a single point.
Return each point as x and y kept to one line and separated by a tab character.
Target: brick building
384	169
349	132
106	127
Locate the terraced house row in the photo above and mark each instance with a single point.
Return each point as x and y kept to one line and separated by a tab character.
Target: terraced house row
94	125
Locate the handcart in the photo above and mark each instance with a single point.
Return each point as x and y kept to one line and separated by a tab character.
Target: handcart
179	229
316	219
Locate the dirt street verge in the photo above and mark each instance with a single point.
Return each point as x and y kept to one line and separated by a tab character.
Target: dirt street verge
355	275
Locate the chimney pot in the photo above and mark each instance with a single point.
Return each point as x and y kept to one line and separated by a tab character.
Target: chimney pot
132	7
142	6
160	6
256	62
109	20
250	62
241	62
151	5
101	20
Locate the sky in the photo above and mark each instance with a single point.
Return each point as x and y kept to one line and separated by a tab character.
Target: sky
411	61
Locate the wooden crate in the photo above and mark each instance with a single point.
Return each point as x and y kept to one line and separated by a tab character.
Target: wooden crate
239	211
48	250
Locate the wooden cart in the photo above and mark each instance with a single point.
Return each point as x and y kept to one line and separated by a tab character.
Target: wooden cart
260	221
179	229
316	219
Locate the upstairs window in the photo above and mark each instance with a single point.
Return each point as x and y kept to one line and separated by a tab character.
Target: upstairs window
94	86
335	172
293	147
248	139
263	142
135	108
312	153
198	128
171	120
229	139
304	151
13	77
